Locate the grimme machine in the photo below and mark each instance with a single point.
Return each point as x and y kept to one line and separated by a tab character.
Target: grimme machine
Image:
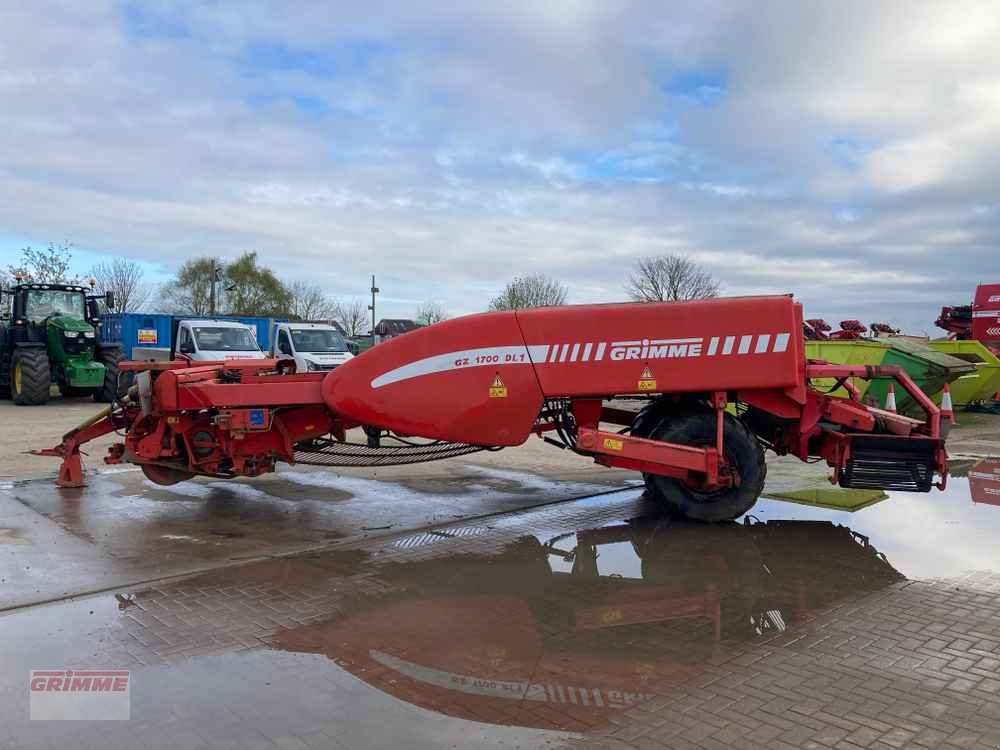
719	381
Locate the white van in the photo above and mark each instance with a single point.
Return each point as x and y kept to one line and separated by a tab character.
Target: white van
311	347
211	340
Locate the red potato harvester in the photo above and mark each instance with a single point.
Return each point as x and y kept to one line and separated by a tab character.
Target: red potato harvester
492	380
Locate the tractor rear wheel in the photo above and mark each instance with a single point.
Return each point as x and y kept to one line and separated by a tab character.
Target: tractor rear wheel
30	377
684	500
114	387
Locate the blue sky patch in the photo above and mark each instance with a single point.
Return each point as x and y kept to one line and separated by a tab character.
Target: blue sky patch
701	87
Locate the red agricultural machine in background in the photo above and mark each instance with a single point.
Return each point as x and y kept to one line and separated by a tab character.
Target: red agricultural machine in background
492	380
979	321
817	329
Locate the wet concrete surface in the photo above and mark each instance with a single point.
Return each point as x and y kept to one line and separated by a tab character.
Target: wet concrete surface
122	528
592	622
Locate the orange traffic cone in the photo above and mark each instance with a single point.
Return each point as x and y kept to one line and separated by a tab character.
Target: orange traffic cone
890	399
947	411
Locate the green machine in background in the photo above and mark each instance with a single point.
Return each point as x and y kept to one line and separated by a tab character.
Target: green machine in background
49	334
930	369
980	385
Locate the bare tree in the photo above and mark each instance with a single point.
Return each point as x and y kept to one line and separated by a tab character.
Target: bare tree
48	265
352	317
530	291
430	313
308	302
123	277
670	278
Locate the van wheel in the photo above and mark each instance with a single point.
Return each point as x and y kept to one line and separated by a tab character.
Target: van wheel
684	500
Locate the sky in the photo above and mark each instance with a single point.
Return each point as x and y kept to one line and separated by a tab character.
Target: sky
846	152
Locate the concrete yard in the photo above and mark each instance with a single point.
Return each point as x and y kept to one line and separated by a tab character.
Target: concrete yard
524	598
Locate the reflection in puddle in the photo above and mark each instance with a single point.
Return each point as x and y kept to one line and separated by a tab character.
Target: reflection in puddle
587	622
833	498
927	536
984	481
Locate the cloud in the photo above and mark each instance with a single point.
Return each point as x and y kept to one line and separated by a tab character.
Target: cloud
842	151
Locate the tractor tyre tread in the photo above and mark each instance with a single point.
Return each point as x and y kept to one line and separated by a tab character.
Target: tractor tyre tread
36	377
114	387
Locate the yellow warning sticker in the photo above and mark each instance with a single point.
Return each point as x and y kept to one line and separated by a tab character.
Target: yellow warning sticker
612	615
647	382
498	389
613	445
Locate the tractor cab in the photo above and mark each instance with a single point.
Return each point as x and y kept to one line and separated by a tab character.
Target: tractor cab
49	333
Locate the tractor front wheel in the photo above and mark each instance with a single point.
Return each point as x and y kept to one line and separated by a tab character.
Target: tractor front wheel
744	454
114	387
30	377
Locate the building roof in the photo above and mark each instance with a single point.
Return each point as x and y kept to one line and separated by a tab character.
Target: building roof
394	326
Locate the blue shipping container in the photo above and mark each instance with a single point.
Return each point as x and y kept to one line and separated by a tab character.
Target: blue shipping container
153	329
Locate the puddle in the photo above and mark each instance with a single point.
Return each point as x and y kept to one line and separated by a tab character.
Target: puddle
589	622
518	630
926	535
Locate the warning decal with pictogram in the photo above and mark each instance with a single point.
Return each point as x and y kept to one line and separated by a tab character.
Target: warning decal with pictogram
498	389
647	382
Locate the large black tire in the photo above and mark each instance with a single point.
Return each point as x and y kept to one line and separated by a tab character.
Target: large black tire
652	414
164	475
114	387
30	377
743	452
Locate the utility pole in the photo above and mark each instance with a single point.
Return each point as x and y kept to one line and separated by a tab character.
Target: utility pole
211	292
372	307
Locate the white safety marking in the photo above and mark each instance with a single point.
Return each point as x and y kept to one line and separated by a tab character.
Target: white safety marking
486	357
580	352
514	690
986	314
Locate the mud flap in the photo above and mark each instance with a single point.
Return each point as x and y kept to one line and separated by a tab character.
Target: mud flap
888	462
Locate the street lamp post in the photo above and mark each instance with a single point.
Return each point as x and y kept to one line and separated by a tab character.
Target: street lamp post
375	290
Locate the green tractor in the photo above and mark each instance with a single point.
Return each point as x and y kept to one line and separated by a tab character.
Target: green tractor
49	334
